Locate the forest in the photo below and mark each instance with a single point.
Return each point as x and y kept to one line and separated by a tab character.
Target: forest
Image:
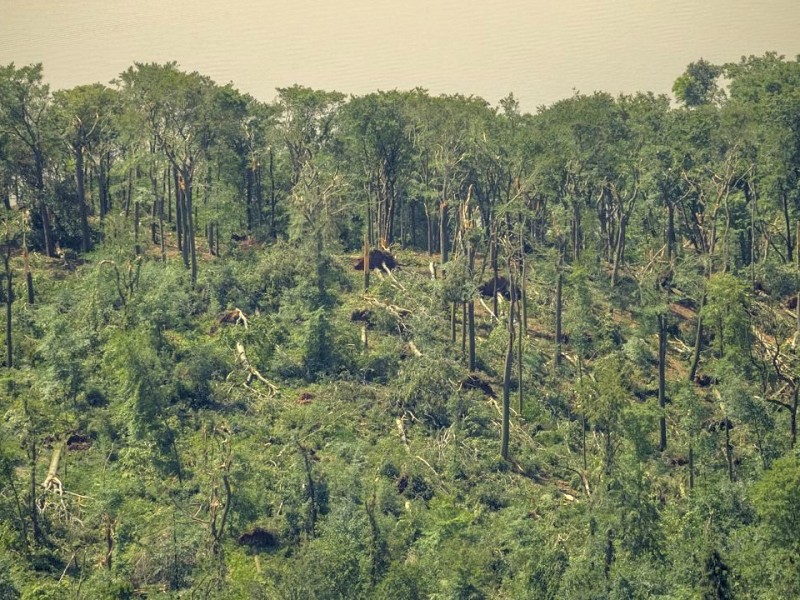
400	345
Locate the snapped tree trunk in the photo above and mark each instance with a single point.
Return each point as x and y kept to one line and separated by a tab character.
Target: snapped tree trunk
28	274
463	329
9	301
47	230
618	252
471	334
794	415
504	434
190	231
559	305
366	261
728	448
272	223
443	238
137	249
495	270
520	339
662	400
698	340
787	221
670	232
179	214
84	209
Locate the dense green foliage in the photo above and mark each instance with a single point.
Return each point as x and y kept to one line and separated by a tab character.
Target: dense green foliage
581	382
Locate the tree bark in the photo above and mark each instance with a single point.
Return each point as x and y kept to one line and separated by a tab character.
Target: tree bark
190	229
47	231
559	305
453	336
471	334
728	448
789	244
273	226
794	415
520	339
137	249
495	269
698	340
443	238
618	252
179	213
504	434
28	274
670	231
9	301
84	209
102	187
366	261
662	400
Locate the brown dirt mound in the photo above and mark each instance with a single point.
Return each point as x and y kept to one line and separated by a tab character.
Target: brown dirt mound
377	258
502	286
476	382
78	441
259	539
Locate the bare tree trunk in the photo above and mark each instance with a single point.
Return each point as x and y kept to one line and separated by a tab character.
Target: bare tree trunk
698	340
618	253
429	223
662	400
84	210
162	234
794	414
463	328
520	339
366	261
28	274
495	269
190	230
272	223
523	298
559	305
9	301
728	448
153	225
102	186
47	230
443	238
248	202
109	536
504	435
797	308
136	247
169	191
413	219
670	231
789	244
471	334
33	509
179	213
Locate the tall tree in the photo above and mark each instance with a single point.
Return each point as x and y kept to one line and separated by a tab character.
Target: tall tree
25	118
86	118
178	109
